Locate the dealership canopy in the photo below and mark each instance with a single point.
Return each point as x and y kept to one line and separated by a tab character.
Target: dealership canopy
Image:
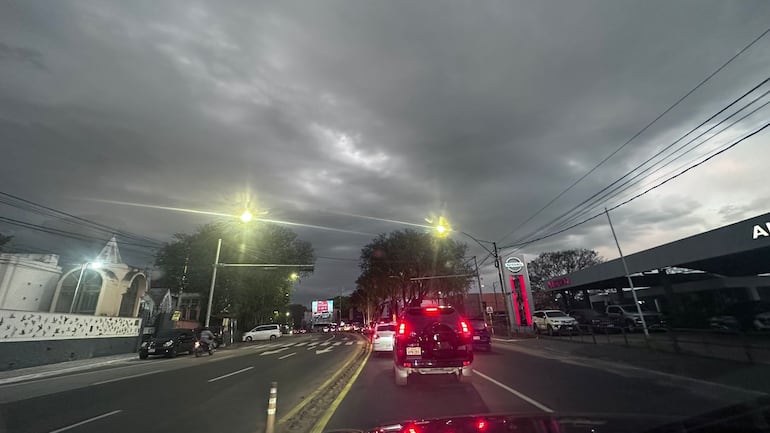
735	250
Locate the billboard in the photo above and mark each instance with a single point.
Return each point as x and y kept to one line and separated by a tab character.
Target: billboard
322	310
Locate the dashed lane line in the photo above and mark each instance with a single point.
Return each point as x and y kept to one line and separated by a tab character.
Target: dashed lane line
86	421
529	400
287	355
230	374
117	379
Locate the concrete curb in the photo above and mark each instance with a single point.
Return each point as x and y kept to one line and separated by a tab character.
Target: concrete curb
43	374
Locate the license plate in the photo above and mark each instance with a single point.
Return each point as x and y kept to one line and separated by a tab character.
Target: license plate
151	351
477	337
413	351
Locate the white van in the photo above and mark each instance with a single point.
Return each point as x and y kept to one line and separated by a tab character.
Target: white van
263	332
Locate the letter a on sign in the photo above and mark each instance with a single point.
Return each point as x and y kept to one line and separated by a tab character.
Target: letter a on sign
759	231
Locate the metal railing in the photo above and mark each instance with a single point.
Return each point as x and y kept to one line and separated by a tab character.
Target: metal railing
737	346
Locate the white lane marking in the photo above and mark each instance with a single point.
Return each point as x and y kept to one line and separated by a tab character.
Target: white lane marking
86	421
359	342
273	352
117	379
286	356
326	343
327	350
529	400
289	345
337	343
230	374
349	343
301	344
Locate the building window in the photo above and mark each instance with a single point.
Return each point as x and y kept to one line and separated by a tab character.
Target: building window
88	288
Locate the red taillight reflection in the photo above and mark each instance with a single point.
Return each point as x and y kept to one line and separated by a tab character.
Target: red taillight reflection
481	425
466	363
412	429
376	336
402	328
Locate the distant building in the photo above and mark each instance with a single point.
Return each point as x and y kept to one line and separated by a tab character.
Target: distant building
103	287
28	281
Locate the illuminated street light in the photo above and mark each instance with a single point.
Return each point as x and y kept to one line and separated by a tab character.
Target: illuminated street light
246	216
294	276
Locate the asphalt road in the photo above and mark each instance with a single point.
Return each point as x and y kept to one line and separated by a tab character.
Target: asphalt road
522	380
225	392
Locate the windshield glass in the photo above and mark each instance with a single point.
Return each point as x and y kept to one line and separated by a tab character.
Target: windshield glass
555	314
456	175
167	334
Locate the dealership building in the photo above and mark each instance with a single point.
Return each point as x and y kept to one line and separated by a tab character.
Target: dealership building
691	279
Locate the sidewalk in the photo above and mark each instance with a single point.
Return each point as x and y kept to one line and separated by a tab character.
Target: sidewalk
754	377
59	368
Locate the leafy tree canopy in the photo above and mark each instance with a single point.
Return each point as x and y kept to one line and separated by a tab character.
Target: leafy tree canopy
390	261
251	294
552	264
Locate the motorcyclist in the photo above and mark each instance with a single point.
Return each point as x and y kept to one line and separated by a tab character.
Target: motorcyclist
207	338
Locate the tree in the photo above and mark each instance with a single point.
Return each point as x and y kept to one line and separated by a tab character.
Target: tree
297	314
549	265
250	294
390	261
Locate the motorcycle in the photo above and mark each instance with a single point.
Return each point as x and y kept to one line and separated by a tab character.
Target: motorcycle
201	347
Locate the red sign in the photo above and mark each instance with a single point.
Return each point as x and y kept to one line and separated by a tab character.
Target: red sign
322	306
559	282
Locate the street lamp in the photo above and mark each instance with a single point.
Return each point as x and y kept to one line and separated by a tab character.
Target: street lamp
246	216
442	229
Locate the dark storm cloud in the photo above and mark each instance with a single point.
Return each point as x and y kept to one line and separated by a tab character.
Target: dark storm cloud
396	110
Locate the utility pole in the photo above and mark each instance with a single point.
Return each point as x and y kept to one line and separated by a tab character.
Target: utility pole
213	282
498	265
478	281
183	280
628	276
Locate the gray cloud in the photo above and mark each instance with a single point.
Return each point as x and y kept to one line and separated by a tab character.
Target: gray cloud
396	110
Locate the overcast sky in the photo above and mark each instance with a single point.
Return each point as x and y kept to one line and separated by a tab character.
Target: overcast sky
316	111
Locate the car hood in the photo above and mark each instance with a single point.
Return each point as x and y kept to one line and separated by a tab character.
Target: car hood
157	340
746	417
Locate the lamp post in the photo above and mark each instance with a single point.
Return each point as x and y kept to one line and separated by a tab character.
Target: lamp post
443	229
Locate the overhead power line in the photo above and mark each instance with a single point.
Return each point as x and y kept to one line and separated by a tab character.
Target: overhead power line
710	157
602	195
640	132
30	206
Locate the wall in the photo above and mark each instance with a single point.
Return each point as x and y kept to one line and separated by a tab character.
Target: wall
37	338
28	281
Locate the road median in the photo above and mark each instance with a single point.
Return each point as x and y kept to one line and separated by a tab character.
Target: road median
304	416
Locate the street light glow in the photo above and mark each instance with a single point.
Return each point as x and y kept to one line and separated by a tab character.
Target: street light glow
246	216
294	276
442	227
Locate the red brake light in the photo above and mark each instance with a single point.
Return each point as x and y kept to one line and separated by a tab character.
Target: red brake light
411	429
481	425
464	327
431	309
402	328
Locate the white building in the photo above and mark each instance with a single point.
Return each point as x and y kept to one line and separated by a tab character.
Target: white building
28	281
103	287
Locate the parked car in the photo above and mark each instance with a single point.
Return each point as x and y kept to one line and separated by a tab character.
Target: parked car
743	316
168	343
592	320
432	340
627	316
263	332
554	322
382	339
482	339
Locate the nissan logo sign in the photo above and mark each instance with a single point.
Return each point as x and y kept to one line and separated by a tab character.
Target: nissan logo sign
514	265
